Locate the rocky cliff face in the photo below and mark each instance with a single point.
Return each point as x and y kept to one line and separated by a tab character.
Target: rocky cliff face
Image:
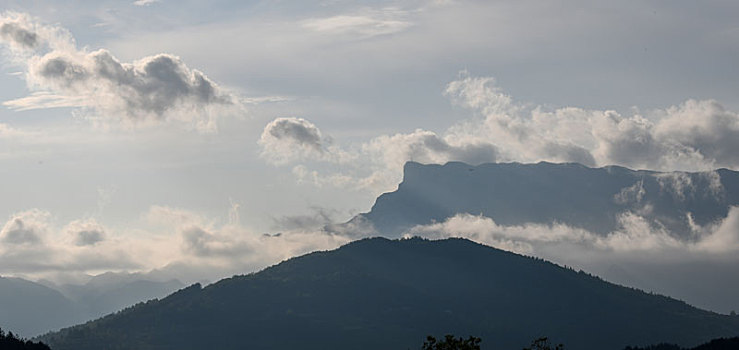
573	194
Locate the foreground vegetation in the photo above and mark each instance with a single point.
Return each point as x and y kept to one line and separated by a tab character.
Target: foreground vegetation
9	341
716	344
450	342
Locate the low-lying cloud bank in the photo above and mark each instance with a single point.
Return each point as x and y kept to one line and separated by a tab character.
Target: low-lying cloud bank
32	243
150	90
699	270
636	234
696	135
176	243
169	243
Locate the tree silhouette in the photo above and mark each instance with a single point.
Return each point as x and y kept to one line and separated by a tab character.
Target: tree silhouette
543	344
451	343
10	341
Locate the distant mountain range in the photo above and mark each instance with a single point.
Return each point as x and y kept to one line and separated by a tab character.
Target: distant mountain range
111	292
594	199
573	194
29	308
389	294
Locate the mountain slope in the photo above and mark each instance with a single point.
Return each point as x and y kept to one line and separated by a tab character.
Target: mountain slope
588	198
29	308
111	292
382	294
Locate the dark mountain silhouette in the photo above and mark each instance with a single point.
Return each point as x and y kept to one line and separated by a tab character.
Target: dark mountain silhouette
716	344
588	198
30	308
383	294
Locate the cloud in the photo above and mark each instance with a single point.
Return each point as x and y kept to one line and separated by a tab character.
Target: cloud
427	147
202	243
85	232
637	254
304	175
286	140
693	136
171	217
7	132
229	248
295	130
696	135
318	218
635	234
152	89
31	245
632	194
24	35
25	228
364	24
722	237
388	154
145	2
15	33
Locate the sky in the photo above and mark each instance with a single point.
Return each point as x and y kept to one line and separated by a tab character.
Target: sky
201	139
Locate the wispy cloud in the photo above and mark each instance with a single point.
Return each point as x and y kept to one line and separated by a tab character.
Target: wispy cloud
364	24
145	2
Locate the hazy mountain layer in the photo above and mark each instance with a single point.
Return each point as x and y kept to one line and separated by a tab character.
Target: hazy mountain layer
382	294
111	292
30	308
573	194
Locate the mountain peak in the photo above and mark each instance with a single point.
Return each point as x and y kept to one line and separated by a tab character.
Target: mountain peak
379	293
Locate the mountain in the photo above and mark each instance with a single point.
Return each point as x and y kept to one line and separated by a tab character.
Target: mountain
715	344
110	292
29	308
384	294
579	196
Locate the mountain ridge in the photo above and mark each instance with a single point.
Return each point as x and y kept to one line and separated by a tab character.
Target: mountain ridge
28	308
380	293
32	308
545	193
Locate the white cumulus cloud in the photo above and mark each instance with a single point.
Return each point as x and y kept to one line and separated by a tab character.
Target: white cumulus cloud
151	89
693	136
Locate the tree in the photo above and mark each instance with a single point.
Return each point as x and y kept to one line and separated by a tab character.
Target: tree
543	344
451	343
10	341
